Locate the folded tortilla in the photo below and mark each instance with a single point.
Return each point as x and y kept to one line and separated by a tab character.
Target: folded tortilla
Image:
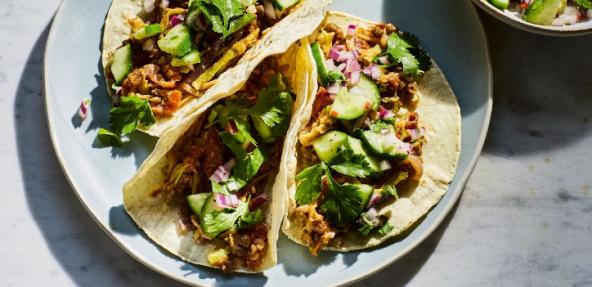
440	114
160	219
300	23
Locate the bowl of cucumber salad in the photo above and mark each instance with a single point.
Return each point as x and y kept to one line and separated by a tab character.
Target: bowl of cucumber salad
549	17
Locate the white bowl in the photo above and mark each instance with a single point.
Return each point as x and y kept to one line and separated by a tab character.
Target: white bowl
512	19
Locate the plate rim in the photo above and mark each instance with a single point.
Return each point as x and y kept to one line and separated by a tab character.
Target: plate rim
155	267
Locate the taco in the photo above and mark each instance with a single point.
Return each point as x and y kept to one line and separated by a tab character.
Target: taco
163	59
378	140
208	192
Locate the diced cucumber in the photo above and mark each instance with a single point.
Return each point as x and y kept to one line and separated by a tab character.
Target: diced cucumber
122	64
196	202
355	145
365	192
284	4
501	4
147	31
352	104
192	58
542	12
177	41
385	144
319	58
329	144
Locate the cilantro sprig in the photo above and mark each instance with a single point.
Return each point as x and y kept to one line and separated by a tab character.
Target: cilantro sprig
586	4
124	119
225	16
403	49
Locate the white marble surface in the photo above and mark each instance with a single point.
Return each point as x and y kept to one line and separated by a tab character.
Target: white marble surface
525	218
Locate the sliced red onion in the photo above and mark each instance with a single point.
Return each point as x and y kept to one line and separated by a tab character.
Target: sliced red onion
374	199
333	88
226	201
176	20
384	113
351	29
258	201
83	109
149	5
384	60
269	10
164	4
222	172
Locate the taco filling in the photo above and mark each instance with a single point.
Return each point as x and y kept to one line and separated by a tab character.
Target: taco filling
175	52
364	138
223	168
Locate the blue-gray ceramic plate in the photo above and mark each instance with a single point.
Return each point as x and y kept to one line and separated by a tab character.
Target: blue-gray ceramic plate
72	72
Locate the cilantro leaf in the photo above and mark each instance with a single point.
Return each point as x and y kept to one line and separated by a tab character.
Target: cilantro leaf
271	114
404	49
309	184
108	138
348	163
389	190
586	4
243	171
366	228
217	221
225	16
344	203
125	118
249	218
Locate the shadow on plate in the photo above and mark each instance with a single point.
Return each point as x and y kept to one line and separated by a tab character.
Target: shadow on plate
538	103
84	252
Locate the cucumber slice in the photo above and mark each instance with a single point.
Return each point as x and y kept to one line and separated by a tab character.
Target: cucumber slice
385	144
357	148
193	57
177	41
365	192
209	204
319	57
197	201
147	31
122	64
284	4
352	104
542	12
501	4
329	144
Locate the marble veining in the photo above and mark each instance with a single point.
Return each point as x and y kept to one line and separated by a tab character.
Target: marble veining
524	218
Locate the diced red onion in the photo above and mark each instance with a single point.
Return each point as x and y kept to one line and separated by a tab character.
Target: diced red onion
231	127
384	113
374	199
258	201
164	4
269	10
149	5
176	20
353	78
333	88
345	56
334	52
83	109
384	60
341	67
226	201
222	172
371	214
330	64
351	29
